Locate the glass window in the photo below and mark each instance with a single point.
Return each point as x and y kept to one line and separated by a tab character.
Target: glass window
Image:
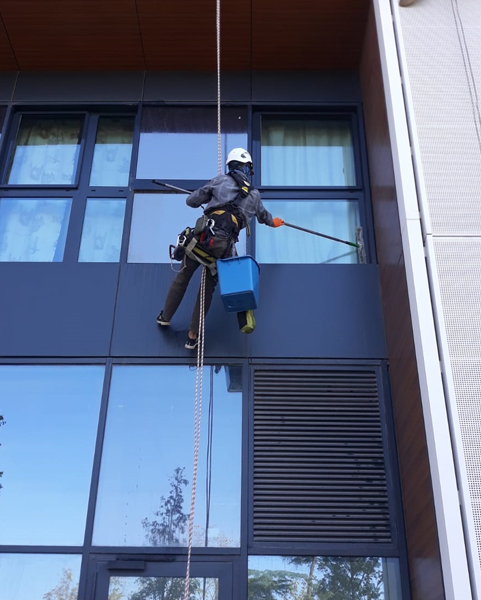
319	577
102	230
50	418
146	474
337	218
39	576
181	142
46	150
168	588
306	152
33	229
157	220
113	151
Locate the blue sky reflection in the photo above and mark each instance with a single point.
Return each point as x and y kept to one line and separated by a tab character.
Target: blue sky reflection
46	452
149	435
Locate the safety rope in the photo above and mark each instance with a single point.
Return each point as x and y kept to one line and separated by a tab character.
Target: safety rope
201	337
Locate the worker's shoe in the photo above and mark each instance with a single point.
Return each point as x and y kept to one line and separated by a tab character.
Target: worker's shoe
161	320
191	344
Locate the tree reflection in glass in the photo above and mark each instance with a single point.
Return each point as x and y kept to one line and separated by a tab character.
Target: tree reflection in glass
162	588
322	578
147	459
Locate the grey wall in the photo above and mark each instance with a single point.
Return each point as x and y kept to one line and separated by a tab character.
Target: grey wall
134	86
89	310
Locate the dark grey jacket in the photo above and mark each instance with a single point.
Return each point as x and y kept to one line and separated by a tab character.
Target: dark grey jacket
223	189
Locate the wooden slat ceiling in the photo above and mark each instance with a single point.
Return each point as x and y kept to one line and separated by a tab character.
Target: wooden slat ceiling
180	34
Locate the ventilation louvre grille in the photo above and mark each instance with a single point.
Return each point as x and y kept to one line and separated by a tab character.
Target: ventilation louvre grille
319	471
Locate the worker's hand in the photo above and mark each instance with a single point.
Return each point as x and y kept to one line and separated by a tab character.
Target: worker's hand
277	222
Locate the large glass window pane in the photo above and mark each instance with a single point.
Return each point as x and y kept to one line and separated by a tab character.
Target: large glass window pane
33	229
181	142
46	150
160	588
39	576
157	220
50	416
320	577
147	460
102	230
113	151
306	152
336	218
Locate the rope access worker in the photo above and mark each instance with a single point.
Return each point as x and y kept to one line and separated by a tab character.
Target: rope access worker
231	203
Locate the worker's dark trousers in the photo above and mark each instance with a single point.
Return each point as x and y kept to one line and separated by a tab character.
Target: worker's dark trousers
179	285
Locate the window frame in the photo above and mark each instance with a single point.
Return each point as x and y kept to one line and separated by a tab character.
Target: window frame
327	115
360	192
81	190
13	134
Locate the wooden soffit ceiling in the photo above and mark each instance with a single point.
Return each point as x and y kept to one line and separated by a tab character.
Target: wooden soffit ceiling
180	34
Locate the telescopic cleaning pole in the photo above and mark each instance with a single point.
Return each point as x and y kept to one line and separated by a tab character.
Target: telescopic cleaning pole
172	187
361	252
329	237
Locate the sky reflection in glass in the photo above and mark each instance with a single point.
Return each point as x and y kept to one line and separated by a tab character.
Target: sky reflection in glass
33	576
157	220
149	447
181	142
48	440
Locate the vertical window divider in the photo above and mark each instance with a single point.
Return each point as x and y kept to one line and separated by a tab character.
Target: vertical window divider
89	527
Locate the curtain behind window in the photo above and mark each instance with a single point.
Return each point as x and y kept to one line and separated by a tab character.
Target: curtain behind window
337	218
307	152
46	151
33	230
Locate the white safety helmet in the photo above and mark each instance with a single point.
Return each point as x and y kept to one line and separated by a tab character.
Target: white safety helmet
239	155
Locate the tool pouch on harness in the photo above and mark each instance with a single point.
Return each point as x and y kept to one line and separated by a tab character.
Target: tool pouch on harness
188	244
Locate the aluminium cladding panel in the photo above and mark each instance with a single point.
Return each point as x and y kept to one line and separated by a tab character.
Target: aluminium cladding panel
458	264
69	86
305	311
443	58
57	309
7	85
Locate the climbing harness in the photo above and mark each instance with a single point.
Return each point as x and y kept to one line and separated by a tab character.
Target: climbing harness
200	345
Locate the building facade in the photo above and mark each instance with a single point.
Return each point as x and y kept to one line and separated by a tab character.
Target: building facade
338	450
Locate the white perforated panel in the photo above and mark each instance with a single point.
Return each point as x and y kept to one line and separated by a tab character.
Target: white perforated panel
443	55
459	269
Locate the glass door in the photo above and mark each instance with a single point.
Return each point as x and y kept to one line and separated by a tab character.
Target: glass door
161	578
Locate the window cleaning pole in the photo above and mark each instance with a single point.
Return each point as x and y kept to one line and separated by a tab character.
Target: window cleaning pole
329	237
172	187
359	237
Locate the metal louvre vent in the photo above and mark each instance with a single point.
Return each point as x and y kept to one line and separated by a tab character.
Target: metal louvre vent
319	471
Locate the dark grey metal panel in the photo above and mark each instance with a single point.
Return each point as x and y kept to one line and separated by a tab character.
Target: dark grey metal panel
195	86
319	311
142	291
56	309
57	86
312	311
305	86
7	85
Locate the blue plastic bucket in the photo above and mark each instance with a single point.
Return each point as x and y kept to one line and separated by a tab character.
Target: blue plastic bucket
239	283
